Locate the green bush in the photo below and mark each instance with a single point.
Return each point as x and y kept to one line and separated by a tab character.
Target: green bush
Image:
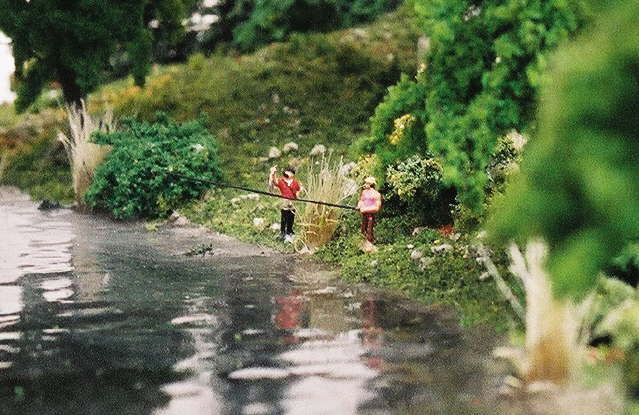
136	179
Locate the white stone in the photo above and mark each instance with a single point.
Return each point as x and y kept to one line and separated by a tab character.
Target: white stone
288	147
416	254
440	248
274	153
318	150
181	221
418	230
258	222
250	196
275	227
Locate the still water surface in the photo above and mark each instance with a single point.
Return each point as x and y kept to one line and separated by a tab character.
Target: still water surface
98	317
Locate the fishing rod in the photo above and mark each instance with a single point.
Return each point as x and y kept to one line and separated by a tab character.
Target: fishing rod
246	189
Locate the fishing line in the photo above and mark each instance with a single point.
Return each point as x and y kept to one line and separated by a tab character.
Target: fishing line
261	192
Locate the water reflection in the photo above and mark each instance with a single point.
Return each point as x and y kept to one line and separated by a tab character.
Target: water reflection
128	325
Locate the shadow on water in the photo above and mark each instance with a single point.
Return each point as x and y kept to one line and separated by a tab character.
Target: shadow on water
98	317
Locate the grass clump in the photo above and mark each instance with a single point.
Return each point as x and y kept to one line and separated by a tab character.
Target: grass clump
83	155
324	182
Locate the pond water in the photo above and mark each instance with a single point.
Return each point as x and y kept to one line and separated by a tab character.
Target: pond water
99	317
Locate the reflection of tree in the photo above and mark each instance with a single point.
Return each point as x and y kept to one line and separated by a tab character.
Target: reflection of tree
91	277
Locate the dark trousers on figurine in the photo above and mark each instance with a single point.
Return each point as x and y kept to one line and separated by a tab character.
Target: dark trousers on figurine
368	222
286	223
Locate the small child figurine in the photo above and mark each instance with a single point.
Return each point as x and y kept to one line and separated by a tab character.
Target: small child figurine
369	204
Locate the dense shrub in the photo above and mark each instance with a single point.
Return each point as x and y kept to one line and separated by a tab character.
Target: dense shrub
578	187
414	186
136	179
274	20
397	127
481	80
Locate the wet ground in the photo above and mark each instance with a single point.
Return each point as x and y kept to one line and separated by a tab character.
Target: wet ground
99	317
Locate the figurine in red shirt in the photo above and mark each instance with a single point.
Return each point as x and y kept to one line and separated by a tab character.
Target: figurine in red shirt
289	187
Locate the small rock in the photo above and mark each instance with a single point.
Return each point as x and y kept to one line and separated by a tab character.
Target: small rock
275	98
258	222
410	246
174	216
275	227
360	33
317	150
374	263
288	147
235	200
181	221
440	248
484	276
369	248
274	153
416	254
418	230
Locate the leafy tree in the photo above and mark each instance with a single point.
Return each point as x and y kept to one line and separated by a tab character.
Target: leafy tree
483	75
72	41
481	81
578	185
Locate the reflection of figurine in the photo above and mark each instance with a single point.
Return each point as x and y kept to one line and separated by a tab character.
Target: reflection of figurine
369	204
288	316
371	333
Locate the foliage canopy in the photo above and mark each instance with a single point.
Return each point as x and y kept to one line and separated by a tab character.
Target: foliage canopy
73	42
481	80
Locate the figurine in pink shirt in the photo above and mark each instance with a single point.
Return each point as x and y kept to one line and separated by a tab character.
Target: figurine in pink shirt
369	204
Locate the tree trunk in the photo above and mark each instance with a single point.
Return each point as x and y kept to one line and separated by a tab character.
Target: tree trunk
71	91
